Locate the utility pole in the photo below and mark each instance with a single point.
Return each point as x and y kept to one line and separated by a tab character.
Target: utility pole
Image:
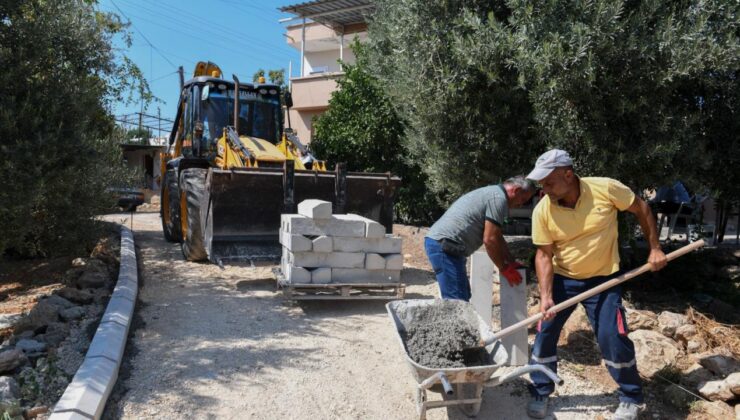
181	72
159	118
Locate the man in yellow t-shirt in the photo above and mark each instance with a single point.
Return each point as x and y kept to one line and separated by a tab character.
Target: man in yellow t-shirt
575	230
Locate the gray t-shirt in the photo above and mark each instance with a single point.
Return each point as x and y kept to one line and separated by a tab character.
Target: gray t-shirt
464	221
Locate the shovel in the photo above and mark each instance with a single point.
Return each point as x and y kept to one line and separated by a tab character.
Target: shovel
585	295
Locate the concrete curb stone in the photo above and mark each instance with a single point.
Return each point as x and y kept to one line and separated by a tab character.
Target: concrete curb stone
86	395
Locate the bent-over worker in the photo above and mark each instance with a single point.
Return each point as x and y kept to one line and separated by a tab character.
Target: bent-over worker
473	220
575	230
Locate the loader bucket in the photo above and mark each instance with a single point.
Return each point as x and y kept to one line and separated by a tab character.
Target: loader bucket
245	205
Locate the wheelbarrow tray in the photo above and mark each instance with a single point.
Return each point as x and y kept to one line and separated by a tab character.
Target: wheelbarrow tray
402	312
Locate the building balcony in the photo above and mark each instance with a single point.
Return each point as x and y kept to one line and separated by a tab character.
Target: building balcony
312	93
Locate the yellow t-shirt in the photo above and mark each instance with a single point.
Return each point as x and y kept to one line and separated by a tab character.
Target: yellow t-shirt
584	237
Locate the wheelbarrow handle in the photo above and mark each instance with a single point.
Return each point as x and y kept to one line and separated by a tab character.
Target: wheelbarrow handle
587	294
437	377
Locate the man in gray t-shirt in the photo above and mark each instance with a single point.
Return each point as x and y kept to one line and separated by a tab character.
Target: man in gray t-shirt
473	220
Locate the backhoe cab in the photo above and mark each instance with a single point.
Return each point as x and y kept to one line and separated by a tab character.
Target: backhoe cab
232	169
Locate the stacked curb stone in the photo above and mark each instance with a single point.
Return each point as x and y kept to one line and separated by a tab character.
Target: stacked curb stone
324	248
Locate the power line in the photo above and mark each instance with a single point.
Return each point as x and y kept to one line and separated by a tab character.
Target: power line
142	34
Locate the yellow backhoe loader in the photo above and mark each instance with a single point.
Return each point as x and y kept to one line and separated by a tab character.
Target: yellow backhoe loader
232	168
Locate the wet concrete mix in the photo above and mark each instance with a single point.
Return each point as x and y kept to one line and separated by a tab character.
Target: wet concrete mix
437	335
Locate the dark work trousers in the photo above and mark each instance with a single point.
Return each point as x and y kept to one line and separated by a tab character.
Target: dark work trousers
608	320
449	270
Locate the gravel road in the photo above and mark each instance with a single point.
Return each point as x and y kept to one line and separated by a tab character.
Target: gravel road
223	344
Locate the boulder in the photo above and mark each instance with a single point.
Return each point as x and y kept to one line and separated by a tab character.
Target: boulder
9	389
75	312
702	410
668	323
58	301
30	346
79	262
55	333
693	346
715	390
8	320
685	332
654	351
641	320
11	359
75	295
96	275
34	412
43	314
720	364
696	374
733	381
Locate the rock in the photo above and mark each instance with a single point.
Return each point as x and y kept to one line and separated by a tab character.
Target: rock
58	301
706	410
8	320
75	312
75	295
79	262
721	365
668	323
677	396
41	315
695	375
693	346
729	272
95	275
30	346
55	333
11	359
715	390
733	381
685	332
654	351
34	412
25	334
641	320
9	389
737	411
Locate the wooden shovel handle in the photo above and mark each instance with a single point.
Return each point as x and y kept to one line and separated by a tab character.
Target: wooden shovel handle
587	294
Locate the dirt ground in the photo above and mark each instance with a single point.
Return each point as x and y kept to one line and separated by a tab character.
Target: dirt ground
213	343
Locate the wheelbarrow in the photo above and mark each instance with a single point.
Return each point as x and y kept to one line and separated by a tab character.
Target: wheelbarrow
462	387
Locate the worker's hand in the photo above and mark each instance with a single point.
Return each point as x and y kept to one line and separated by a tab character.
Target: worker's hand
545	305
512	275
657	259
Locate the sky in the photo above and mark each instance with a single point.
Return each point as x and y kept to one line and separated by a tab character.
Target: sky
241	36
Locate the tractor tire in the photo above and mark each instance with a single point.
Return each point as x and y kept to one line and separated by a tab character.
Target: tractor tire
193	194
169	209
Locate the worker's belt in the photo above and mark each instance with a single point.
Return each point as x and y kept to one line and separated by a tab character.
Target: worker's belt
453	248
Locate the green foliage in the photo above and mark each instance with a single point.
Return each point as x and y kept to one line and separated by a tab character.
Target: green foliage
363	129
60	77
645	91
143	134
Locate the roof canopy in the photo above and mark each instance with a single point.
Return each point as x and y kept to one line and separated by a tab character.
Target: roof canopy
333	13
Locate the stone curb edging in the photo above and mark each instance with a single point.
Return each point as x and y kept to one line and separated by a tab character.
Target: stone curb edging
86	395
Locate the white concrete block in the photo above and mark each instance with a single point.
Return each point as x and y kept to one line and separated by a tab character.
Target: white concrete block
327	259
394	262
119	310
356	276
337	225
373	229
374	261
513	310
388	244
321	275
482	272
315	209
322	244
89	389
295	274
109	341
295	243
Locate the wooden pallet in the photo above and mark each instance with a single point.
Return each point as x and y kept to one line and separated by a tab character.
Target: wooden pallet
340	291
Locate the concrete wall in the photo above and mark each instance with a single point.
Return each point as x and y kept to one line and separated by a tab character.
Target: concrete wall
302	123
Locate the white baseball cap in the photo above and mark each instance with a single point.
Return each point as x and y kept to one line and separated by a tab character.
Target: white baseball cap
548	161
